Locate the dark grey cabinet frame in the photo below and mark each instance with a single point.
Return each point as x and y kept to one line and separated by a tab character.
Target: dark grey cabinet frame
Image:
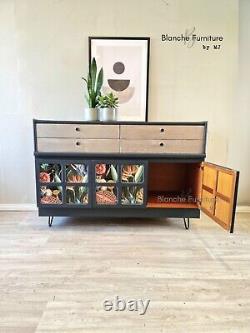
94	210
121	211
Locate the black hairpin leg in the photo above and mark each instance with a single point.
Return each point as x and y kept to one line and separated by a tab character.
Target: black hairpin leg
50	220
186	222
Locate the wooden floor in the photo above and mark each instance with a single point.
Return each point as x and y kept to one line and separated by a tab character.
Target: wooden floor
55	280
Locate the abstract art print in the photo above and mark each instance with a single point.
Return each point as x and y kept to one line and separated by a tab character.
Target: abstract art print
125	62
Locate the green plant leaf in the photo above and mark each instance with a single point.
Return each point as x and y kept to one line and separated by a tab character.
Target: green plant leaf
93	70
114	173
85	178
94	84
85	80
108	101
139	174
89	85
57	178
70	195
44	166
87	99
131	198
99	82
84	192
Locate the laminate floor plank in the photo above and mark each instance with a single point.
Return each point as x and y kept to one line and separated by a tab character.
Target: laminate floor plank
55	280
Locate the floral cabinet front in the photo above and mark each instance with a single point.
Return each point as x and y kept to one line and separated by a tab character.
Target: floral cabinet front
91	183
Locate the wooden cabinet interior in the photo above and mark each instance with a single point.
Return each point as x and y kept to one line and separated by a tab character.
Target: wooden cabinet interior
174	185
188	185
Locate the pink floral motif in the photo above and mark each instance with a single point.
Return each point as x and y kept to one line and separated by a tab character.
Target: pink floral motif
100	169
44	177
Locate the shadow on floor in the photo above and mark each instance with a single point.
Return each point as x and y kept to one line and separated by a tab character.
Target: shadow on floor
73	222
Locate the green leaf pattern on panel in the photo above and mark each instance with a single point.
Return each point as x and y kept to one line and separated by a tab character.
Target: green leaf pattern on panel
77	195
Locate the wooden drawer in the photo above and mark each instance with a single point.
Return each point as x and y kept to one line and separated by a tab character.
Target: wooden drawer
162	146
162	132
60	145
85	131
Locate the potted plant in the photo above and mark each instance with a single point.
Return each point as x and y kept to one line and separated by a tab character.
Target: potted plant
94	83
107	107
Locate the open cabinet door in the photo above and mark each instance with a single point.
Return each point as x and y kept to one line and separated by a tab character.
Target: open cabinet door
219	194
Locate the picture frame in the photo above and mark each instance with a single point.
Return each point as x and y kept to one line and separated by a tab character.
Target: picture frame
125	62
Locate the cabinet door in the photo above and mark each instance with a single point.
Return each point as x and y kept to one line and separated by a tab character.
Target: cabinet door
76	184
133	187
106	180
219	194
62	183
49	180
119	183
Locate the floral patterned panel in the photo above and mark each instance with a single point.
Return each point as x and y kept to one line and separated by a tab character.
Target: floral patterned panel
106	195
51	195
106	173
50	173
132	173
77	195
132	195
76	173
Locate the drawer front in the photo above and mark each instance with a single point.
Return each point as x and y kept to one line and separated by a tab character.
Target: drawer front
161	132
162	146
86	131
54	145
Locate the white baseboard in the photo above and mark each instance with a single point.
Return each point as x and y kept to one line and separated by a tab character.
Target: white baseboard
18	207
243	209
33	207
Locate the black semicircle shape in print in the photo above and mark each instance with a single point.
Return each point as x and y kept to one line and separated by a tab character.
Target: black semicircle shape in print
118	85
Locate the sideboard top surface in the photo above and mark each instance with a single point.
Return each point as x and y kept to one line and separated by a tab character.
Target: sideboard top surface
196	123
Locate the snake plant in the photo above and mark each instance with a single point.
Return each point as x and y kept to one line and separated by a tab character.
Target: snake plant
94	83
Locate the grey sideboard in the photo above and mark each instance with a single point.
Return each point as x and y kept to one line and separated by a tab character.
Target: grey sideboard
127	169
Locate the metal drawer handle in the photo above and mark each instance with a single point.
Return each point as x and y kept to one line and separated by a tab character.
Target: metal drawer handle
77	129
161	144
78	143
162	130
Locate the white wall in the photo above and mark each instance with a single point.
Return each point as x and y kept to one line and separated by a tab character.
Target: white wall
239	143
44	54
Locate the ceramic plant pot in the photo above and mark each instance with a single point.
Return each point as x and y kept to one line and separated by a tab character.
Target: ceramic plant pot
90	114
107	114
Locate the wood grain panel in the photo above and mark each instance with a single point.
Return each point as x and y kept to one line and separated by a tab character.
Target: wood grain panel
225	184
222	210
162	132
209	177
208	201
169	177
87	131
58	145
162	146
